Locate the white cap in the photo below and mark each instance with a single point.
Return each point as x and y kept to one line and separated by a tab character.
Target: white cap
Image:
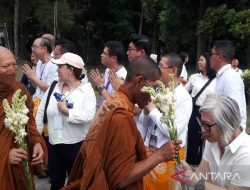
70	59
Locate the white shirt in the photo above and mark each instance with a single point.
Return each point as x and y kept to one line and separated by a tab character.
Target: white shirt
73	128
235	162
195	83
47	73
184	73
229	83
237	70
122	73
182	115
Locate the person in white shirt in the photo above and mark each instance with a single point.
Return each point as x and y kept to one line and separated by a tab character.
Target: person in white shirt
157	133
225	164
195	85
235	64
45	72
184	74
112	57
229	83
70	111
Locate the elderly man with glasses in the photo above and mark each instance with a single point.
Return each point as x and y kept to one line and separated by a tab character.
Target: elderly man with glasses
225	163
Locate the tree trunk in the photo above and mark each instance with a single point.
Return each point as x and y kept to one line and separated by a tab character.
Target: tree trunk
201	40
141	19
16	23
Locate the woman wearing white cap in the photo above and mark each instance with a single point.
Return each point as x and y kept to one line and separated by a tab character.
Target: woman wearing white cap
70	110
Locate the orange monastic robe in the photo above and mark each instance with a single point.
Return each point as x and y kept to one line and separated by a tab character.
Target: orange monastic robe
111	148
12	176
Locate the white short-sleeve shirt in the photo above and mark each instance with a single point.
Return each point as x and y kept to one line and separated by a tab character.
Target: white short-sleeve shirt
234	166
47	73
184	73
195	83
230	84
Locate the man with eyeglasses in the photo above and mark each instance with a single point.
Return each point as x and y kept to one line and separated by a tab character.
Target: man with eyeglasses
229	83
156	131
225	163
45	72
112	58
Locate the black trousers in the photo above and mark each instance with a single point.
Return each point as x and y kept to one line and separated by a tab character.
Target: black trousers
61	160
194	141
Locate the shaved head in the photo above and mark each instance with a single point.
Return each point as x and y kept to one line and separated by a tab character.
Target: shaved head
8	70
6	56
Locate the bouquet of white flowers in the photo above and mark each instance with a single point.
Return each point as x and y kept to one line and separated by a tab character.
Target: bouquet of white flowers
16	120
164	99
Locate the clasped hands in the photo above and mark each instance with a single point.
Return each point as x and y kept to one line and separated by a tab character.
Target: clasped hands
30	73
114	79
17	155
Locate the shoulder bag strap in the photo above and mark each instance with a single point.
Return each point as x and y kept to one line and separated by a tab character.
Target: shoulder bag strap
201	90
51	88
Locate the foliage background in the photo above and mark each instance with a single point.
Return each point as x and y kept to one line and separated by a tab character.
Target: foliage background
173	25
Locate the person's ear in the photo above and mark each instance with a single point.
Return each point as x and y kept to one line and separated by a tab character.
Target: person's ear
139	81
142	52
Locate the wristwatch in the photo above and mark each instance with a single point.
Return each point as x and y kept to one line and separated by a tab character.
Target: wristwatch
100	89
200	185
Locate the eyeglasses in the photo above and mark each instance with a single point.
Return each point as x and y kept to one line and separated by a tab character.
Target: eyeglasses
211	53
61	66
34	47
205	125
132	49
165	67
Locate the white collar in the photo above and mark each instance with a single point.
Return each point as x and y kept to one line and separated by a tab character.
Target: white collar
222	69
237	142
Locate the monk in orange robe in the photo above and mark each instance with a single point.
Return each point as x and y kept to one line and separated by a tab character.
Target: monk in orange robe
113	155
11	155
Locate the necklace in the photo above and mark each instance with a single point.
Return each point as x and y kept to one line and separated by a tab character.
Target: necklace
70	91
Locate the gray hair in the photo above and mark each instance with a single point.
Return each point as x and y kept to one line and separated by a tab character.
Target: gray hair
225	113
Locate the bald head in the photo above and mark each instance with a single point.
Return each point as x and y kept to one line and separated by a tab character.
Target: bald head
6	56
144	66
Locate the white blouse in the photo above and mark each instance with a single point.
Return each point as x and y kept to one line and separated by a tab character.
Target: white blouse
195	83
74	127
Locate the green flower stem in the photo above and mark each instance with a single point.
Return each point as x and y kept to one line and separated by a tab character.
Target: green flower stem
26	168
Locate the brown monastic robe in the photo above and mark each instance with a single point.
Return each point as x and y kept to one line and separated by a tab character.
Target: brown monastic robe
12	176
111	148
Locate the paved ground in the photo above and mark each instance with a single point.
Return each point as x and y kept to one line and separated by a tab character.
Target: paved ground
42	184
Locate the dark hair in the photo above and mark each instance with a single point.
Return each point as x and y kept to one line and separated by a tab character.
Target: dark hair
226	48
116	49
210	72
174	60
141	42
183	56
66	45
46	42
77	72
142	65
